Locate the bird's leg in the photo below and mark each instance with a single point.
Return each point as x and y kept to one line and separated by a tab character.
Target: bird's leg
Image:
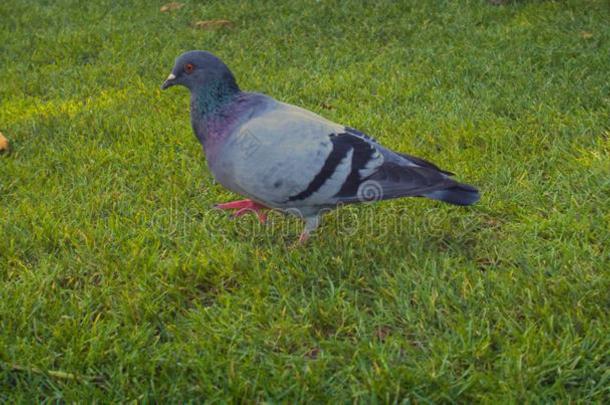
303	238
311	223
245	206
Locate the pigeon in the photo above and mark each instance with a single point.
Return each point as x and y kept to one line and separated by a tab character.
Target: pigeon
283	157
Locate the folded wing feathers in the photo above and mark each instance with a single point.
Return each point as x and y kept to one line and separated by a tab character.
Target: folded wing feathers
353	157
356	158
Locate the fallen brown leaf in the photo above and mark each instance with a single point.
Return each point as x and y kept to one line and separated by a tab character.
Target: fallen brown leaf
213	24
382	333
586	34
490	222
4	145
313	353
486	262
171	7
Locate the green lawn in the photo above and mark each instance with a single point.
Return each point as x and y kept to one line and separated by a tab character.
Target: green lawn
118	281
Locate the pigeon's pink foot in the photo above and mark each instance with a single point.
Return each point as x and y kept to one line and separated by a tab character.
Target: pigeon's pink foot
245	206
303	238
311	223
260	213
236	205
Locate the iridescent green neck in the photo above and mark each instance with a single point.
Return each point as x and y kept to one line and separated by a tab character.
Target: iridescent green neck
209	99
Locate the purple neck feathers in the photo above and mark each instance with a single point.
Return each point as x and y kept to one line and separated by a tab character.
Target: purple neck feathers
213	125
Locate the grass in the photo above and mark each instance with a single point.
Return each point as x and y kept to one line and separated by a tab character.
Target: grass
119	282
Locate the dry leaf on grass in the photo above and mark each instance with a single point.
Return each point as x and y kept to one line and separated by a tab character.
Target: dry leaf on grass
3	143
213	24
313	353
586	35
171	7
382	333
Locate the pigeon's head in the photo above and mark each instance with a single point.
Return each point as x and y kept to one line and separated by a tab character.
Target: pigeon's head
198	70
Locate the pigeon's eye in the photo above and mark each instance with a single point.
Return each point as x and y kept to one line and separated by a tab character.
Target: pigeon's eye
189	67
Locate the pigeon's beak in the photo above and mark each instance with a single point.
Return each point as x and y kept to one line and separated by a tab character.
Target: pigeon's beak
169	82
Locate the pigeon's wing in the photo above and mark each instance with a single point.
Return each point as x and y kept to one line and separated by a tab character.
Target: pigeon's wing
380	174
396	175
278	153
290	157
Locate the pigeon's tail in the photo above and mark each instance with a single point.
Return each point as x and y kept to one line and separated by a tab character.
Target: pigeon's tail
458	194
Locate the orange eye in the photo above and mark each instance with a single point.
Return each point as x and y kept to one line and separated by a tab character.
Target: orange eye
188	68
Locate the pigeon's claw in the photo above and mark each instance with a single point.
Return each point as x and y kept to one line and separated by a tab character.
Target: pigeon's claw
260	213
303	238
245	206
